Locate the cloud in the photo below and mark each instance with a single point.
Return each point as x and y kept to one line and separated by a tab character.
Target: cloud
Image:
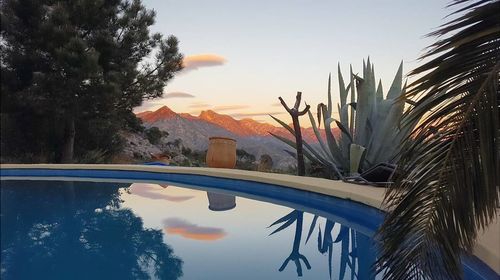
194	62
151	105
178	94
149	191
229	107
199	105
247	115
276	104
191	231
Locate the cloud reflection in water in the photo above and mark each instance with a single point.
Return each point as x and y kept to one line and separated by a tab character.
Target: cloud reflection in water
192	231
150	191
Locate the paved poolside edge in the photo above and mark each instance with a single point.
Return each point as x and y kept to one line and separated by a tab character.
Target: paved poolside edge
488	244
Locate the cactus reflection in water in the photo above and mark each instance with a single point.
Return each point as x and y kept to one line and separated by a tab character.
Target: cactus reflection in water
356	249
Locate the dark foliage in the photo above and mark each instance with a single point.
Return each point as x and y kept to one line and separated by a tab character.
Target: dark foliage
154	134
68	230
447	186
72	71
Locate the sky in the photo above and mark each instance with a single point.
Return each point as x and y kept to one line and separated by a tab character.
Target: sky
240	56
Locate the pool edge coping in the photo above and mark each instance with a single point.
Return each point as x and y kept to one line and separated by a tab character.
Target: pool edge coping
368	195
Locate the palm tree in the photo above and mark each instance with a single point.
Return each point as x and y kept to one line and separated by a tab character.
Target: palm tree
447	186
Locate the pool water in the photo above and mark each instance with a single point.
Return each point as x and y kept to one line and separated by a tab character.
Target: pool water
107	230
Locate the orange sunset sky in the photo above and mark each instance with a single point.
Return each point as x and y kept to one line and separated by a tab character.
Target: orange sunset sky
240	56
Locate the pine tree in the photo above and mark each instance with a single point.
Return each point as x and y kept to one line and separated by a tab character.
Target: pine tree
72	71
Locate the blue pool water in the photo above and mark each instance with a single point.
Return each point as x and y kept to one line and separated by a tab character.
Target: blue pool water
172	226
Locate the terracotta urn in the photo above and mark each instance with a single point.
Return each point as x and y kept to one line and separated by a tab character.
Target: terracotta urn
221	152
220	202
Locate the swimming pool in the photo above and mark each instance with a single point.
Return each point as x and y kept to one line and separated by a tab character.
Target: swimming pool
89	224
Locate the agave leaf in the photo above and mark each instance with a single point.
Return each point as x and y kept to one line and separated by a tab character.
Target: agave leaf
318	135
307	152
311	228
287	220
344	256
353	100
345	140
380	92
342	89
342	235
318	113
330	258
363	111
283	124
292	154
343	115
385	145
395	89
365	69
356	153
330	94
344	130
292	215
320	240
332	143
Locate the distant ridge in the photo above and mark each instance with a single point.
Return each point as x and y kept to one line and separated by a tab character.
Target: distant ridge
245	127
252	136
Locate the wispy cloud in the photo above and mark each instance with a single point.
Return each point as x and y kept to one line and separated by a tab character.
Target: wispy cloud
151	191
191	231
276	104
247	115
178	94
199	105
194	62
153	104
229	107
204	106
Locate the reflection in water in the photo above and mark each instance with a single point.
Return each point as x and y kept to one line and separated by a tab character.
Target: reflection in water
356	250
151	191
220	202
192	231
295	256
53	229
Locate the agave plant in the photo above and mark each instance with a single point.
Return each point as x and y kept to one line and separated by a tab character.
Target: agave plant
369	124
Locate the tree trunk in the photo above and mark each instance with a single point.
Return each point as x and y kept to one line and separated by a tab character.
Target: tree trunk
301	169
69	141
295	114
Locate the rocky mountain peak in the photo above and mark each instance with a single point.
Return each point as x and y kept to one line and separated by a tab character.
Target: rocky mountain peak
160	114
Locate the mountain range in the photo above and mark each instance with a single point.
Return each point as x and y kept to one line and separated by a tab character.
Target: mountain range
252	136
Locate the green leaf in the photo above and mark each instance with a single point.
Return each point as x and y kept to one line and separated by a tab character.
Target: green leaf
330	95
318	135
395	89
380	92
344	130
284	125
446	188
356	153
342	89
309	152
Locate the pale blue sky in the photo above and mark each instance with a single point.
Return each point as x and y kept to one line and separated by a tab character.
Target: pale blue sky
277	47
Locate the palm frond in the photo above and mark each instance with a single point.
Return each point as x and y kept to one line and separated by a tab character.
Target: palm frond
447	185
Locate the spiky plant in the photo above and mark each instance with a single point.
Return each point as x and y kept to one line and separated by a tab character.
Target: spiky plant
370	133
447	187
